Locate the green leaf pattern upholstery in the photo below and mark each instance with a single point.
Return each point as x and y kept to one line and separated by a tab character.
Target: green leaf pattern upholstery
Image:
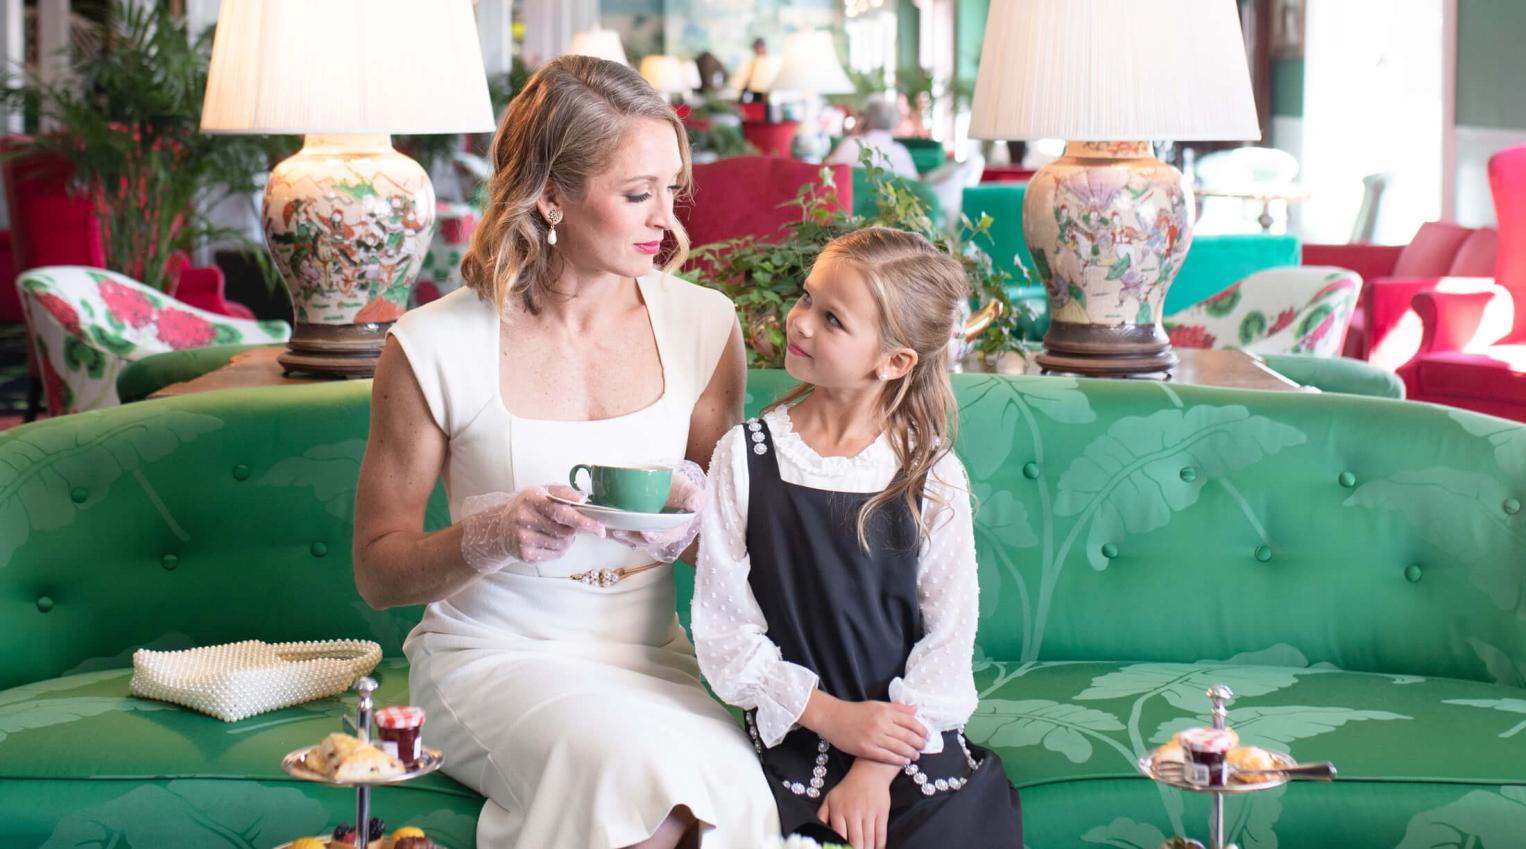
1354	568
86	323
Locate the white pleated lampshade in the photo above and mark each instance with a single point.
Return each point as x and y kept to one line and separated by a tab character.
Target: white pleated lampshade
1114	70
810	65
600	44
346	66
665	73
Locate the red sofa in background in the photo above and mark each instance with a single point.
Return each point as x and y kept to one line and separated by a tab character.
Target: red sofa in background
748	196
1473	346
1385	329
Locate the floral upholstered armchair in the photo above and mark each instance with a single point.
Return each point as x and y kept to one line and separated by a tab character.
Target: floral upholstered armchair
85	323
1291	310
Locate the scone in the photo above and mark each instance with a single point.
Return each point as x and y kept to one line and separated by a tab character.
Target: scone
367	764
1251	758
333	751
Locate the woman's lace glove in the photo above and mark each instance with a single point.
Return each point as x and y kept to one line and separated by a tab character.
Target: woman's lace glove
688	494
502	528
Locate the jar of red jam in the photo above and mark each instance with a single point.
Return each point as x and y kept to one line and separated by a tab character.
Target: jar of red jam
400	732
1206	749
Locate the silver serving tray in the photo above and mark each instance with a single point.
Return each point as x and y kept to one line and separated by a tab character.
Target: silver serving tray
429	761
1231	787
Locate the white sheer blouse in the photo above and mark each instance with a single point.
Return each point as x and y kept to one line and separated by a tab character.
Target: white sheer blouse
731	635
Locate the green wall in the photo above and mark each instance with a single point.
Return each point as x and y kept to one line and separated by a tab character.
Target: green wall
1287	87
969	35
1491	65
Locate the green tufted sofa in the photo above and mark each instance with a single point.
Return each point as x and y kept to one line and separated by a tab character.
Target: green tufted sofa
1354	568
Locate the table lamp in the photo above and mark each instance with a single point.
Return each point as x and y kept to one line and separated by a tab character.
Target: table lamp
600	44
347	219
666	74
810	68
1108	224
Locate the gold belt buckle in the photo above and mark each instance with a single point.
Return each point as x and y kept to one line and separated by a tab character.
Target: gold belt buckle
605	578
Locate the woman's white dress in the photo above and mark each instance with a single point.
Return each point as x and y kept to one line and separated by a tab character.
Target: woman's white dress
576	710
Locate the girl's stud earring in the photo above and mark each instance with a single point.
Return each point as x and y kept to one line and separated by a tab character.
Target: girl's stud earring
555	218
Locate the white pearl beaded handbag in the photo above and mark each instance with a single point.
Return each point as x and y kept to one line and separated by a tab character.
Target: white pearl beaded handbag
237	680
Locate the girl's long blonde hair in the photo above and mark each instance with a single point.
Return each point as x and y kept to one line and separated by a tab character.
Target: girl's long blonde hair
918	289
562	129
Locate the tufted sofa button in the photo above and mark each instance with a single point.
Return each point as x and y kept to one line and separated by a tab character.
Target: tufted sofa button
319	548
44	603
1109	550
1412	573
1031	471
79	494
1263	553
1189	474
169	562
1512	506
1346	479
241	472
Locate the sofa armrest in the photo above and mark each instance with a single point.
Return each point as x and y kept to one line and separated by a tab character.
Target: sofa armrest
1370	261
1393	330
1460	321
1336	374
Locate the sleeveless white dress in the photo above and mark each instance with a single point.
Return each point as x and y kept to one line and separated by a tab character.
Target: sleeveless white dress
577	711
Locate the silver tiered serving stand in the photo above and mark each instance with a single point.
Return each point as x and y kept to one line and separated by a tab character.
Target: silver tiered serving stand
1172	775
295	765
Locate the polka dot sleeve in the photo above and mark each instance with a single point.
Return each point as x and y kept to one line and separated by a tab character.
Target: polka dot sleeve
730	633
938	680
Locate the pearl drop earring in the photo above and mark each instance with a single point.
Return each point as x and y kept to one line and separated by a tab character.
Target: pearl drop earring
555	218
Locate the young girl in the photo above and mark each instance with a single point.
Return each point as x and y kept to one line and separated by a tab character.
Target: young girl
836	595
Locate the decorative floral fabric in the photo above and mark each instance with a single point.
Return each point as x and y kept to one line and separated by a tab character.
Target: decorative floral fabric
441	272
1292	310
87	322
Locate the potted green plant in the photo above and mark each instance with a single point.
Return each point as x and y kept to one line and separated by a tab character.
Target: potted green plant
764	278
129	118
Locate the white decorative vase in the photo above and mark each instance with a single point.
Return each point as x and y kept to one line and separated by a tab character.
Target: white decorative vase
1108	226
348	221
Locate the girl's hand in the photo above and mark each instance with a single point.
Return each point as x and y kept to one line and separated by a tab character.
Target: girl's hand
688	494
858	808
880	731
527	526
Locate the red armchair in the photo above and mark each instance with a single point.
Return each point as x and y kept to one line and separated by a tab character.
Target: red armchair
1473	345
1385	330
747	196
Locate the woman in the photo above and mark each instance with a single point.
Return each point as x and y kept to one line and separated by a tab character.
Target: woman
574	706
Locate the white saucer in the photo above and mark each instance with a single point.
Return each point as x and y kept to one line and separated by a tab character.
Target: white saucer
626	520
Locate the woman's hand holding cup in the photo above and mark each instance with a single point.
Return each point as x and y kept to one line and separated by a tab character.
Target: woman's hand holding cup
502	528
690	494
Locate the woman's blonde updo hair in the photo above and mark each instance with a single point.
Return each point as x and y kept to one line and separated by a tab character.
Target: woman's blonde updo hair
561	129
918	289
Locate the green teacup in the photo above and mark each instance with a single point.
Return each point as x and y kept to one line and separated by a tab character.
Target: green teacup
638	489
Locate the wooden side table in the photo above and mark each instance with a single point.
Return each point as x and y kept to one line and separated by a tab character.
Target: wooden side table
250	368
1199	366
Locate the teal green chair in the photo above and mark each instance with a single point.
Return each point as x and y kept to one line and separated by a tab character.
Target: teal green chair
926	154
866	203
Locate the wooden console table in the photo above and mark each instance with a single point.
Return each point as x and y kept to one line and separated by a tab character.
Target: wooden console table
1203	367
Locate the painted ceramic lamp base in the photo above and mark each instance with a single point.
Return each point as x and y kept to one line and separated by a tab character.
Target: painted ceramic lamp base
1108	225
348	221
